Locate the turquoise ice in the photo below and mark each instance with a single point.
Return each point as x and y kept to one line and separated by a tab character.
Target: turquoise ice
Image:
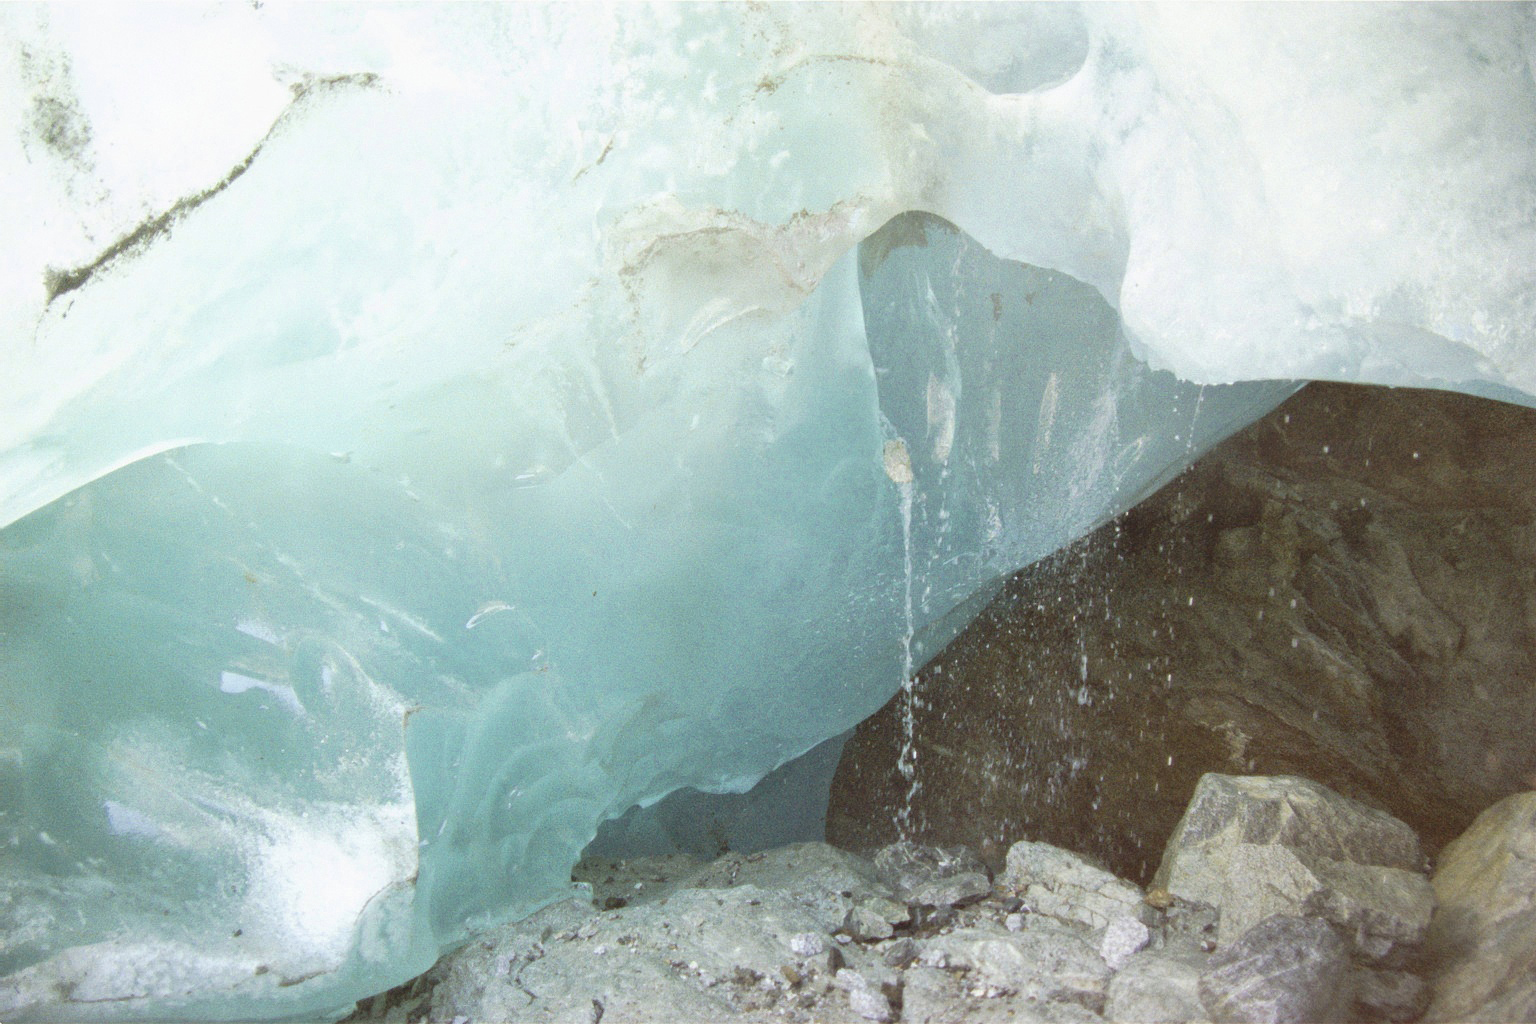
509	415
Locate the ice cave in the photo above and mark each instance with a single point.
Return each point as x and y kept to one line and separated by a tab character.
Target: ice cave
432	431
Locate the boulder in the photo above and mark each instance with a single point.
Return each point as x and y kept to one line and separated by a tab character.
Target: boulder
1231	810
1385	911
1047	962
1065	886
1282	969
1159	985
1318	854
1482	941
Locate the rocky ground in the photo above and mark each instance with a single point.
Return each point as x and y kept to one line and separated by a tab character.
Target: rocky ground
1276	900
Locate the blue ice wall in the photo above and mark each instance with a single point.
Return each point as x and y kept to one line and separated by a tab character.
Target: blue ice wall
431	431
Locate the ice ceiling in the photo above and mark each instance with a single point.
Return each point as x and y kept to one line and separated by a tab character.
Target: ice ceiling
429	431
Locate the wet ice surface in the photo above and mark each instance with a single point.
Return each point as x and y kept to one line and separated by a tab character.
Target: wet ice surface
485	430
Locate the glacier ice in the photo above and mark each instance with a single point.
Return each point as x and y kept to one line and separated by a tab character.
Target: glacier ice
430	432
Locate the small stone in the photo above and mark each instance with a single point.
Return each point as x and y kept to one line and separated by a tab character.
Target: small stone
807	944
866	924
871	1005
826	963
866	1000
1014	922
899	952
1123	939
934	958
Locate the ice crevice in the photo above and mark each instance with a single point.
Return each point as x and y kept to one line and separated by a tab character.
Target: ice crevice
605	402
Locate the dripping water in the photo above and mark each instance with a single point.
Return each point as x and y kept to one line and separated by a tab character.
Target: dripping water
898	466
907	762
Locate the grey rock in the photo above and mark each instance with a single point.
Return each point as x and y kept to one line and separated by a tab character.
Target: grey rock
870	1004
826	963
1047	962
1123	939
1482	942
1384	910
1229	811
932	995
807	943
864	924
1063	885
864	998
900	952
1159	985
907	866
700	955
1396	997
616	882
813	869
954	891
1283	969
872	918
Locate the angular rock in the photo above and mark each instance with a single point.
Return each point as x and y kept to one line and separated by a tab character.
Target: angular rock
1482	942
807	944
1384	910
1508	973
954	891
808	868
865	999
899	953
1284	969
870	920
1045	962
826	963
1063	885
913	870
1123	939
1229	811
1158	985
936	996
1396	997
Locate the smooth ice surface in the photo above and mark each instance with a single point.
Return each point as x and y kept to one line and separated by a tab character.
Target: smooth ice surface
431	431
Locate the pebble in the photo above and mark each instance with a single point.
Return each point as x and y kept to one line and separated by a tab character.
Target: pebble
807	944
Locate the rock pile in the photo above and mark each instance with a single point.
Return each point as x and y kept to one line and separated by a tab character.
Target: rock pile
1276	900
